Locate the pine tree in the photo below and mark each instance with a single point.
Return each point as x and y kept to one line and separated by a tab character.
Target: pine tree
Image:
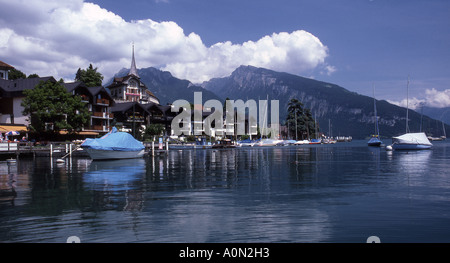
300	121
89	76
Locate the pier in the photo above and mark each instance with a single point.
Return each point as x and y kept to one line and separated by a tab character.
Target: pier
50	149
60	149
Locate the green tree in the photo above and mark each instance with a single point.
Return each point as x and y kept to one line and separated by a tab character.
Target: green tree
89	76
151	130
52	108
300	121
16	74
33	76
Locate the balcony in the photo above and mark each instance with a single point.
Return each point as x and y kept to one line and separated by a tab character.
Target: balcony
84	98
136	119
103	115
104	102
101	128
157	118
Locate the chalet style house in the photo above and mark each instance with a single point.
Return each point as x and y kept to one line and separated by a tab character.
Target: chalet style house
4	69
135	105
130	88
99	103
126	102
97	100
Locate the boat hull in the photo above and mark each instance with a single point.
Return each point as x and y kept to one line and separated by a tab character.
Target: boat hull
267	142
411	141
405	146
112	155
374	142
245	144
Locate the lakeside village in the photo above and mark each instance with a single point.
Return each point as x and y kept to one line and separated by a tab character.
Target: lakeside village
34	116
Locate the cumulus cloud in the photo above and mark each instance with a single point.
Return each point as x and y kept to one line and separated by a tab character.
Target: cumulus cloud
433	98
58	37
294	52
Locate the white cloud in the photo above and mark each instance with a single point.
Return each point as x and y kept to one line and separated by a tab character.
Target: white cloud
297	52
437	98
433	98
58	37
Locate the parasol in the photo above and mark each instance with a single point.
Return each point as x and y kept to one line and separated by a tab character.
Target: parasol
12	133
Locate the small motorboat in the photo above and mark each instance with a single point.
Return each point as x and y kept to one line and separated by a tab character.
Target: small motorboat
114	145
225	143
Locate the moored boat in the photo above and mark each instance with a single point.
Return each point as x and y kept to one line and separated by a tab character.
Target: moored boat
287	142
246	143
315	141
411	141
301	142
268	142
328	141
374	141
225	143
114	145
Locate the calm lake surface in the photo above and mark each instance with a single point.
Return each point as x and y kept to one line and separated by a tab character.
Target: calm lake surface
324	193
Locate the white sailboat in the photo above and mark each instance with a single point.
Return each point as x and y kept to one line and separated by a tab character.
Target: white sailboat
375	140
410	141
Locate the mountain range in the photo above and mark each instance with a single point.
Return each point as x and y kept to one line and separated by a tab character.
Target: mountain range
442	114
338	111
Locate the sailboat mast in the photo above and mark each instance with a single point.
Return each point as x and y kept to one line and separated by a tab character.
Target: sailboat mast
443	128
295	112
407	105
264	126
315	126
377	131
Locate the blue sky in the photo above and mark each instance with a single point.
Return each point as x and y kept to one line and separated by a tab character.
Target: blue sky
352	43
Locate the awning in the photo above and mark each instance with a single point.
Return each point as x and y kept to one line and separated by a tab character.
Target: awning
87	133
18	128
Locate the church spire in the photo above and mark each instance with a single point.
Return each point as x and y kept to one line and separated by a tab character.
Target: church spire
133	69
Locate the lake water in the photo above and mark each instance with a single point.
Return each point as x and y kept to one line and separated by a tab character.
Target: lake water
324	193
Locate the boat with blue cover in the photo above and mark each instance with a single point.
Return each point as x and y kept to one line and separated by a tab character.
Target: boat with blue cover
114	145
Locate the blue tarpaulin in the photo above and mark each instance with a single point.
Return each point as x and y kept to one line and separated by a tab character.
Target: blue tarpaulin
114	141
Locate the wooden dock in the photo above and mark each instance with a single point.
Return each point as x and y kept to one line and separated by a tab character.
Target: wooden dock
54	149
58	149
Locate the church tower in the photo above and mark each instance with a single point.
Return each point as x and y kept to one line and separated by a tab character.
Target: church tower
133	69
130	88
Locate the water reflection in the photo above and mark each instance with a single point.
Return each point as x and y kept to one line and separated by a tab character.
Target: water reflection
116	184
8	182
279	194
416	162
115	175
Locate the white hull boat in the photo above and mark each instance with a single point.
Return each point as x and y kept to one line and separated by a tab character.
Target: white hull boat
268	142
302	142
111	155
114	145
411	141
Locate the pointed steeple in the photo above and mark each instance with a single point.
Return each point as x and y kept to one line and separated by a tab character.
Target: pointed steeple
133	69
